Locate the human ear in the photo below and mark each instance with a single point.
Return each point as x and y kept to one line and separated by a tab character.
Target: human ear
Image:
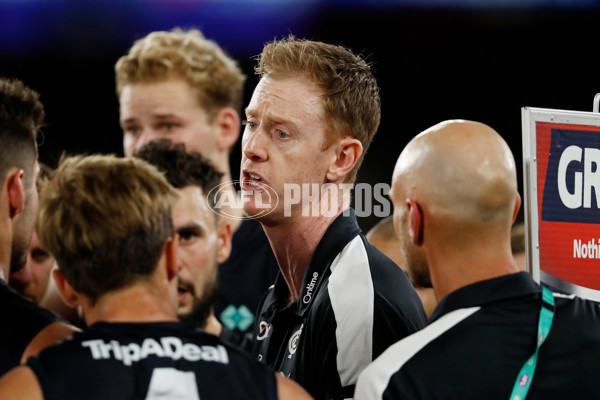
170	252
347	154
228	124
224	235
517	207
415	218
68	294
16	191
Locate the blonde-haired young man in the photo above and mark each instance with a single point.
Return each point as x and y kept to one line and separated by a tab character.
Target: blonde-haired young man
180	86
108	221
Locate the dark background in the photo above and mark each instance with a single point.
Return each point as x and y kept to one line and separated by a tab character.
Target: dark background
434	60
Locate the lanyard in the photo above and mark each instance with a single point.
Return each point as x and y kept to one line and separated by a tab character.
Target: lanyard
525	376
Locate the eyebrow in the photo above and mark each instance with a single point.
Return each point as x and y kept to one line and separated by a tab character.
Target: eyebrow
191	227
274	119
156	116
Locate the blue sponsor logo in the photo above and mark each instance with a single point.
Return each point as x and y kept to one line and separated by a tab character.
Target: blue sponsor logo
572	187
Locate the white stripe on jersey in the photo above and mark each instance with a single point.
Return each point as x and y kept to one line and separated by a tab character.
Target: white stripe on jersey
375	378
352	300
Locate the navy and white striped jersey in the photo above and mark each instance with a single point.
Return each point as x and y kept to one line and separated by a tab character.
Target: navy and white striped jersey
477	341
354	303
152	361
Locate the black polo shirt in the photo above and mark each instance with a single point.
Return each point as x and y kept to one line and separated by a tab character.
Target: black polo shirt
354	303
153	360
479	338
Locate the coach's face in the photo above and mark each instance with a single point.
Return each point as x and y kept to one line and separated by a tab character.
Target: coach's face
202	245
283	143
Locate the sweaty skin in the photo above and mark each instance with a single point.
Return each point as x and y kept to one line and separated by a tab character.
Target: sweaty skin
462	217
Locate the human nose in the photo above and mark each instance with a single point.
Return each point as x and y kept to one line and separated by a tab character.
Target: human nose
253	145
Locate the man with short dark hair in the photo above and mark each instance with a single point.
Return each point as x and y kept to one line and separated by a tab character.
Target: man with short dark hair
108	222
25	328
204	237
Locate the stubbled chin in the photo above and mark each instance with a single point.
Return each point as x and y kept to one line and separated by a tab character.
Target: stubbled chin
184	311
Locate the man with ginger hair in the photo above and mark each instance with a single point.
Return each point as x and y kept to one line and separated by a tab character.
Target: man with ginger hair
180	86
26	328
495	334
108	221
338	302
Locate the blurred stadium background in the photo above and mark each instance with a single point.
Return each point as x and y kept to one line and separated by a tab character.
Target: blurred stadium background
434	59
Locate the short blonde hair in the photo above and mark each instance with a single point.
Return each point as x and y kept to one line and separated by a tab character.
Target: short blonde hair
216	78
350	99
105	219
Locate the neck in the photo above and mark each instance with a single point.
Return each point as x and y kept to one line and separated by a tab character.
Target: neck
294	244
458	266
213	326
144	304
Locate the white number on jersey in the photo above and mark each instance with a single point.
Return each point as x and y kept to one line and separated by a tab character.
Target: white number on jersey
172	384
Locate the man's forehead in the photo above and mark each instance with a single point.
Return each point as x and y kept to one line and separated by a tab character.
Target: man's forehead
192	200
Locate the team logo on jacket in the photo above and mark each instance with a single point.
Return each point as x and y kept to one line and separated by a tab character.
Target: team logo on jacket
293	343
264	329
310	288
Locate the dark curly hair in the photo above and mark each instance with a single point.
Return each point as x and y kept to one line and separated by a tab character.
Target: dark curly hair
179	167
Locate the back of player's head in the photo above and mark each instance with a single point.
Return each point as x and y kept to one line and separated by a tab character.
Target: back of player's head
21	116
351	101
105	220
180	168
162	55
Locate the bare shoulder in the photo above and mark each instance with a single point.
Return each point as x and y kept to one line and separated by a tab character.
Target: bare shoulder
20	383
51	334
288	389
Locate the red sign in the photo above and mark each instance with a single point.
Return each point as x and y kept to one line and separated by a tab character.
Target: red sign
568	200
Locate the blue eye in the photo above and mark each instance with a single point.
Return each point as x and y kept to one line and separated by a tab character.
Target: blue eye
249	124
282	134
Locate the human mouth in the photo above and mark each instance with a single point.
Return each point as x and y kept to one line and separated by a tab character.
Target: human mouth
184	292
252	181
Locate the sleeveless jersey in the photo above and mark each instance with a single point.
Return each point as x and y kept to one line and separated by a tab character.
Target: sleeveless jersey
158	360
